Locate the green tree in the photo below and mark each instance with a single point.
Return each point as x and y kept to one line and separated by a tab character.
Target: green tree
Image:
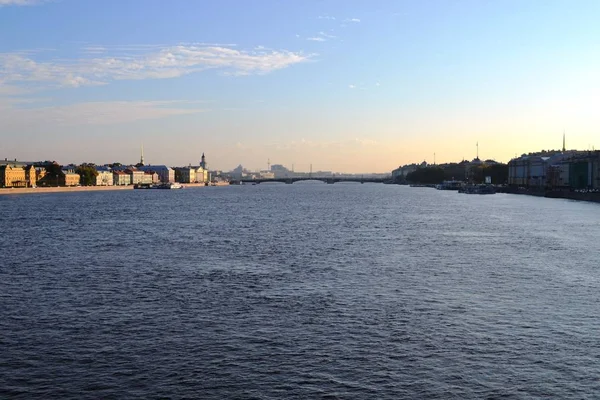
87	174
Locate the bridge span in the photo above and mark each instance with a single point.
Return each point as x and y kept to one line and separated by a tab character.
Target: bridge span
329	180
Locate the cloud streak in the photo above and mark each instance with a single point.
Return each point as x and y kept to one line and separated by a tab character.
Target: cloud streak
94	113
20	2
101	65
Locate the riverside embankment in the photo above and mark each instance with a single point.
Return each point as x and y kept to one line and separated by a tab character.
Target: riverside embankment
61	189
71	189
557	194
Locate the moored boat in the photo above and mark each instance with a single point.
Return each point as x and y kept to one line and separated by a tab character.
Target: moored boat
478	189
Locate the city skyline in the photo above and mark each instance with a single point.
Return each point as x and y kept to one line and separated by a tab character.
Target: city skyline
347	86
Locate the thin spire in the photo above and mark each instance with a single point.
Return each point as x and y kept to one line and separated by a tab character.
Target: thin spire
477	144
564	143
142	155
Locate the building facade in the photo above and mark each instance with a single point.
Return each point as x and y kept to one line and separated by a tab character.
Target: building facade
13	176
165	174
68	177
104	177
136	175
120	178
561	170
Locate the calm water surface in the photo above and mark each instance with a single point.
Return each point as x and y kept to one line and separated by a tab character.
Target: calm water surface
298	291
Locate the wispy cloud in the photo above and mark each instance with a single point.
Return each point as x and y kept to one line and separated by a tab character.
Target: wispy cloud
352	86
326	35
100	65
20	2
94	113
326	17
356	20
316	39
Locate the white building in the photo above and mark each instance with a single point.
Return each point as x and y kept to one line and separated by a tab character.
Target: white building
120	178
104	177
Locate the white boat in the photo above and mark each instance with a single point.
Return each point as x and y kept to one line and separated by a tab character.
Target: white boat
172	185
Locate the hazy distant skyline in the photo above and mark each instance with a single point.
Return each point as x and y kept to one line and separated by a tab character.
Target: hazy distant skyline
347	86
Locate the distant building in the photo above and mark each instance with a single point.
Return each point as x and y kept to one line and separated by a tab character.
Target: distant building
165	174
121	178
279	171
150	178
267	175
401	172
68	177
203	162
13	176
136	175
568	169
104	177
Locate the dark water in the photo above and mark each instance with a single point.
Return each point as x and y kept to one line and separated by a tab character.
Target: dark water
298	291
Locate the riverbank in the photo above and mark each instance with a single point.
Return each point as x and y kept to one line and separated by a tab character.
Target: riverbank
557	194
61	189
71	189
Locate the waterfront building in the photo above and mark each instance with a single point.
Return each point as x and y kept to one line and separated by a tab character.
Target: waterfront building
68	177
192	174
185	174
31	176
136	175
104	177
121	178
401	172
165	174
558	170
150	178
40	174
12	176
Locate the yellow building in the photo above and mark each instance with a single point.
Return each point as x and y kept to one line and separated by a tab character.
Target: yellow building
12	176
31	176
69	178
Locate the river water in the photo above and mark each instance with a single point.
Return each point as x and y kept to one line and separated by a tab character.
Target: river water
298	291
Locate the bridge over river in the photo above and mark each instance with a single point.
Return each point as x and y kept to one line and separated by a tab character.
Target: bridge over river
330	180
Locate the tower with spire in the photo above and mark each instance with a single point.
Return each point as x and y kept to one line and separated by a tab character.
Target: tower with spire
564	143
203	161
142	156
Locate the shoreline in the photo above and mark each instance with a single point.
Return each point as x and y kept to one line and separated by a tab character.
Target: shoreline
61	189
71	189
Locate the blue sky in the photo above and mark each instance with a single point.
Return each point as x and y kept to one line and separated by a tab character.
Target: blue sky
350	86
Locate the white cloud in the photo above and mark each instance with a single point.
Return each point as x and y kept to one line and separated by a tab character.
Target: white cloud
356	20
146	62
326	17
352	86
93	113
316	39
20	2
377	84
326	35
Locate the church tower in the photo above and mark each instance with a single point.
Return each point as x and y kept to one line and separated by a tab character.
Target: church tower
203	161
142	156
564	146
